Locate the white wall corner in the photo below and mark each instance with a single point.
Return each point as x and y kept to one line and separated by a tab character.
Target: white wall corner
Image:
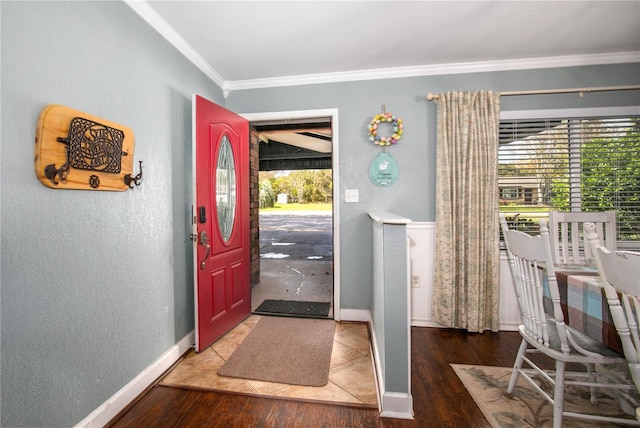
397	405
114	405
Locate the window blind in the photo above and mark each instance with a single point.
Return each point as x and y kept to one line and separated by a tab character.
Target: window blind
571	164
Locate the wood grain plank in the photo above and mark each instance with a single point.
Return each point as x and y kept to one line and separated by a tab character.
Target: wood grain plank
440	398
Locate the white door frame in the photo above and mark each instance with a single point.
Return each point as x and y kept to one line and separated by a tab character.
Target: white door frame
310	114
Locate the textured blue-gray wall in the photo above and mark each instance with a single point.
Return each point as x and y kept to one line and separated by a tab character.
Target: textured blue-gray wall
412	196
95	285
377	304
396	343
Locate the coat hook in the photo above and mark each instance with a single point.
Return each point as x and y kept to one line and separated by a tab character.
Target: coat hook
128	179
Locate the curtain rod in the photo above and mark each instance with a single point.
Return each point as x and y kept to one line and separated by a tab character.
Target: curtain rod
581	91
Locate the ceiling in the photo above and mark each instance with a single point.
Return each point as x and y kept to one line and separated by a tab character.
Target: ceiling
249	44
295	144
256	40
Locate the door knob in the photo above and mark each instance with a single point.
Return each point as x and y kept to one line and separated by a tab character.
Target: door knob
204	240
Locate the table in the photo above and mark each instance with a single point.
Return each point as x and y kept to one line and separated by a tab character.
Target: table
584	304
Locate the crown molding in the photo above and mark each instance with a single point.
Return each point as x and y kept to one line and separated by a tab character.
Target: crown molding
440	69
142	8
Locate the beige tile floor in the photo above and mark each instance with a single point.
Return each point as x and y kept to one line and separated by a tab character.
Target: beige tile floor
351	376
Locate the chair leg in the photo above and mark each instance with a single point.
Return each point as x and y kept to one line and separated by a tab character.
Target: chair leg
558	394
517	366
592	378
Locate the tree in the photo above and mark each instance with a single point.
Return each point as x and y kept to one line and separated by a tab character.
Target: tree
267	195
611	171
324	185
543	155
305	186
585	164
549	162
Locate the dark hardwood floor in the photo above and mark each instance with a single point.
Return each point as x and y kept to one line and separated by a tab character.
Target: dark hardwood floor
439	398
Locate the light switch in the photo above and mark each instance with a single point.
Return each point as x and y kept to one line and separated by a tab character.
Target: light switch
351	195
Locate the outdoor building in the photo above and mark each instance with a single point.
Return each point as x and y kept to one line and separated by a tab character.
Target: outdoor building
519	190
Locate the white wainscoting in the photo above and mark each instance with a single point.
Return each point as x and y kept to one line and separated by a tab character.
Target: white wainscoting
422	254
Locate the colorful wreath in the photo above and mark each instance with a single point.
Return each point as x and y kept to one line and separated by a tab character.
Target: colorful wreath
396	122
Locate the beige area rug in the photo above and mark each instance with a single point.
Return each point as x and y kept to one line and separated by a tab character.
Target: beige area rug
285	350
526	407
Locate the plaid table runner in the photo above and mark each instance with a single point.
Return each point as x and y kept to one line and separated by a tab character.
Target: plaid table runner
585	306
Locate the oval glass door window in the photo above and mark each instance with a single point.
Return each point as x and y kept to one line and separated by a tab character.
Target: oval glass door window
225	189
383	170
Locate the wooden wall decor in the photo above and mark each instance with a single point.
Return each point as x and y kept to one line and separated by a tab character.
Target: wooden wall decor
76	150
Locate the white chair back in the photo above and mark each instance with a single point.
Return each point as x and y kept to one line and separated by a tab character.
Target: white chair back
531	266
547	334
620	276
569	245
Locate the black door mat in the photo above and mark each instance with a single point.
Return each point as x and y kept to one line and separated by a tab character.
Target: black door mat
294	308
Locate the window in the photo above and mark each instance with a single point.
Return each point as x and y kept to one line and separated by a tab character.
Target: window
573	163
509	193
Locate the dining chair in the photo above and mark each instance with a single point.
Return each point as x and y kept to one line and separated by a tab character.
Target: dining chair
548	334
620	277
567	241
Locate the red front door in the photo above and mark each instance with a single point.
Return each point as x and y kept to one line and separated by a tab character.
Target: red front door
221	221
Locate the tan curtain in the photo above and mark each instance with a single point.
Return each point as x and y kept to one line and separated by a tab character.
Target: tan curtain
467	277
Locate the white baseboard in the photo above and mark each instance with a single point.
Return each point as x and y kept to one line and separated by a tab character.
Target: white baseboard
417	322
360	315
509	326
423	322
114	405
391	404
397	405
375	349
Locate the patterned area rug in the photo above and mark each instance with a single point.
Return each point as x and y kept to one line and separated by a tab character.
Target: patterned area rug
526	407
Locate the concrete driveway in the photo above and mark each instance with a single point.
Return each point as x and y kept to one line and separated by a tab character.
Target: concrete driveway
296	236
296	258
